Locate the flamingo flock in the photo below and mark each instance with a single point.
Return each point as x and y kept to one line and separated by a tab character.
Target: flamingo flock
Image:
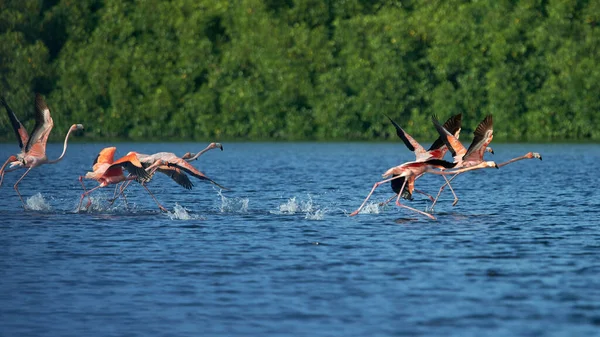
403	176
135	166
105	169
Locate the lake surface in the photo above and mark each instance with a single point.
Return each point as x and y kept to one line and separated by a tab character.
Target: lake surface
277	255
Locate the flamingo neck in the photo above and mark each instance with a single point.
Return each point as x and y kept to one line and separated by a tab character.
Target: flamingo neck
64	148
201	152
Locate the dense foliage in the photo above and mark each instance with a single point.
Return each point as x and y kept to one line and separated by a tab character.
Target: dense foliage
303	69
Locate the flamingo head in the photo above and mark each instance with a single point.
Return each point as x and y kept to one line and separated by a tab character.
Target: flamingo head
489	149
490	164
536	155
76	127
216	145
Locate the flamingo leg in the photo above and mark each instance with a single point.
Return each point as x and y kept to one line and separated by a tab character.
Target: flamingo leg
529	155
425	194
442	188
408	207
155	200
377	184
388	201
121	187
17	186
87	193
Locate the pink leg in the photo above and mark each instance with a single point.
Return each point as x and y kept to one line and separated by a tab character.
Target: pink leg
442	188
86	193
17	186
388	201
425	194
10	159
155	200
410	208
377	184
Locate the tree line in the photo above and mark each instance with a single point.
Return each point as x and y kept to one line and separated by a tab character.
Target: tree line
303	69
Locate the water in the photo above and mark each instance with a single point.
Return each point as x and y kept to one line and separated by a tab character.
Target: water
278	255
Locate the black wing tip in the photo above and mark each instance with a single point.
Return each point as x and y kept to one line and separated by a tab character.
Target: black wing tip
440	162
40	103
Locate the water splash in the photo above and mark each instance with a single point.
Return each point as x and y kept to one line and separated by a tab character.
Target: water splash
38	203
292	206
371	208
181	213
233	205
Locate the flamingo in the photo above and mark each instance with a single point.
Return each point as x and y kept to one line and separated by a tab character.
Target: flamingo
173	166
471	157
411	170
436	151
33	146
107	171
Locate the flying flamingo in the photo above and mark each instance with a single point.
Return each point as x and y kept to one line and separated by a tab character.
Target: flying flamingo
174	167
33	147
471	157
411	170
436	151
107	171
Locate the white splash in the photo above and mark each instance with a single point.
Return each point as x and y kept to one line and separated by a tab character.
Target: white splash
180	213
233	205
311	212
371	208
38	203
317	215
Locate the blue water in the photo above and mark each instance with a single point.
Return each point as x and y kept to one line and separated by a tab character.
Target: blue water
278	255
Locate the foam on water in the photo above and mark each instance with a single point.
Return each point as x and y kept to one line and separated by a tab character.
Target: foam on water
38	203
233	205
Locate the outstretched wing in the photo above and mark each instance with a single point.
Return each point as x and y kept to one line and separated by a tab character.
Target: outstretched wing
188	168
20	132
453	144
131	163
453	125
409	141
36	144
483	136
178	176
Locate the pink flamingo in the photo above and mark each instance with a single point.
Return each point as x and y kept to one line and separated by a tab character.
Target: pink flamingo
173	166
411	170
471	157
33	147
436	151
107	171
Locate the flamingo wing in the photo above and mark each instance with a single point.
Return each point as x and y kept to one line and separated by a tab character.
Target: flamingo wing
179	177
409	141
36	145
188	168
483	136
106	156
440	163
453	144
131	163
453	125
20	131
